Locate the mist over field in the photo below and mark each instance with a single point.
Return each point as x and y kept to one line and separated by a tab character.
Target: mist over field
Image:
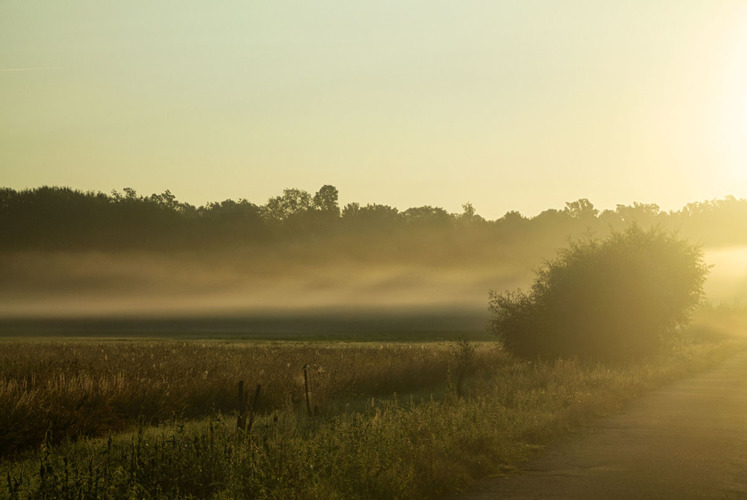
142	284
100	284
87	255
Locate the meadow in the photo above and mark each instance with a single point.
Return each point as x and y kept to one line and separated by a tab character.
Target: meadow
158	418
85	387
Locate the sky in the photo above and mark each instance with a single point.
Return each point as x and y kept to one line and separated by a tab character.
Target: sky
507	104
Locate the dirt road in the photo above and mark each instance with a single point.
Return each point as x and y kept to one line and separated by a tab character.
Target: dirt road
685	441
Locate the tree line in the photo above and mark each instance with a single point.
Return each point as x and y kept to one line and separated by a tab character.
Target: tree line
62	218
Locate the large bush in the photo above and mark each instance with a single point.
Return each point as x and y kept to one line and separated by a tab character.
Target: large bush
615	299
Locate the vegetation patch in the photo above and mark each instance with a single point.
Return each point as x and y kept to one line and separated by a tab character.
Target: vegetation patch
89	388
617	299
422	445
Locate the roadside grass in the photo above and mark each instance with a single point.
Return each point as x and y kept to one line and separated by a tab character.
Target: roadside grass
398	446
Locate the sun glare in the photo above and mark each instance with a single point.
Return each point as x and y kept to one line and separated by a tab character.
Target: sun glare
728	277
739	162
738	85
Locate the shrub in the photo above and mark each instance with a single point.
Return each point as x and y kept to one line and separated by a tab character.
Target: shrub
615	299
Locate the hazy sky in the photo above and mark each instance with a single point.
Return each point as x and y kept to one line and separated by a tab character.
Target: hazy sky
520	104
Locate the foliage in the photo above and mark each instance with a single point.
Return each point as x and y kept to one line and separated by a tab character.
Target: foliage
613	299
294	202
325	200
61	218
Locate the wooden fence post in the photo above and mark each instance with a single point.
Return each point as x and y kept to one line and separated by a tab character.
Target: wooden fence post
251	408
241	419
306	387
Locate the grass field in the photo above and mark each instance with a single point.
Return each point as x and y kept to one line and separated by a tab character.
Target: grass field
88	387
158	419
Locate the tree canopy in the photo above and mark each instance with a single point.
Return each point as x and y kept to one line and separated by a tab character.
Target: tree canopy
59	218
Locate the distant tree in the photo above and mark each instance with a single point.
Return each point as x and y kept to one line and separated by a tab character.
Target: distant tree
52	217
512	218
716	222
325	200
638	212
293	202
370	215
351	209
511	226
166	200
611	300
469	214
610	218
549	217
231	221
468	210
426	215
550	223
580	209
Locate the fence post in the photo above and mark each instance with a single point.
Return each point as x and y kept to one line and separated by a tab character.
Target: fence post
251	408
241	419
306	387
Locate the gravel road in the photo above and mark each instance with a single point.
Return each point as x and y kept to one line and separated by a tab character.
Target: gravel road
685	441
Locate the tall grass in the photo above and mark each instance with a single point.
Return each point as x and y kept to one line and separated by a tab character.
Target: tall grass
78	388
399	447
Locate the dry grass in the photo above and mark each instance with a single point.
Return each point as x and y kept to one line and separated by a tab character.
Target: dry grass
396	447
92	387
